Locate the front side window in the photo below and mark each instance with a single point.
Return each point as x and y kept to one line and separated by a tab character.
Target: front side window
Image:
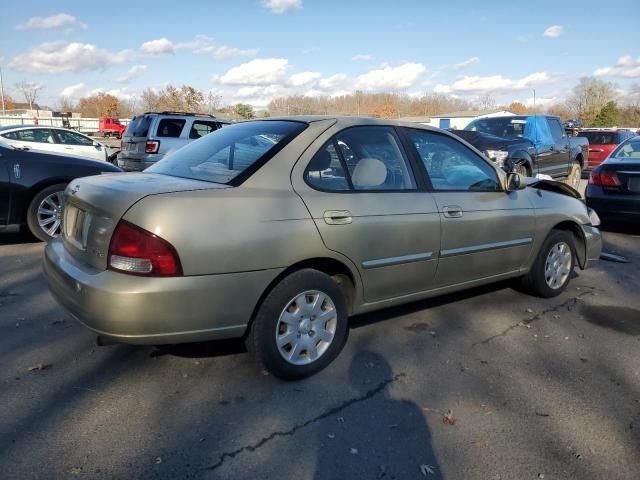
451	165
170	127
229	153
200	128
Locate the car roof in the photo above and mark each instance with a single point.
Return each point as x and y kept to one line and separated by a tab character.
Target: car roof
38	127
348	120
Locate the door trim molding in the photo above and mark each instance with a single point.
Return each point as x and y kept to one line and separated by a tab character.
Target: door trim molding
389	261
485	247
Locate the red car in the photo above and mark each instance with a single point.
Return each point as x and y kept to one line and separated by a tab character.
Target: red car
602	141
111	127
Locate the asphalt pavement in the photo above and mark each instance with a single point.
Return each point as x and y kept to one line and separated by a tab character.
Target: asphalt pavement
486	384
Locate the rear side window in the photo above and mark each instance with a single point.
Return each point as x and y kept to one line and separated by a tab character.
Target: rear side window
601	138
200	128
371	159
138	126
170	127
38	135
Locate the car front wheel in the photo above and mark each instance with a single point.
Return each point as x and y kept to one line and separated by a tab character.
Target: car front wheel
301	325
552	268
575	175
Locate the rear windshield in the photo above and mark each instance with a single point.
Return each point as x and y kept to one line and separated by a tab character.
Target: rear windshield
601	138
229	153
628	150
138	126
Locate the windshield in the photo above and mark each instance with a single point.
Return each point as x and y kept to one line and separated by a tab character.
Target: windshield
628	150
225	154
600	138
534	128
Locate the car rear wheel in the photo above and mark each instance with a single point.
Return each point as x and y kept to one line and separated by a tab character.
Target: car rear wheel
551	271
44	216
301	326
575	175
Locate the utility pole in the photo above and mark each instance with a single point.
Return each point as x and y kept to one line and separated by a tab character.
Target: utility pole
2	91
534	97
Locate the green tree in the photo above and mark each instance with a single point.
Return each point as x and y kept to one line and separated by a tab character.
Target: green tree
608	116
244	110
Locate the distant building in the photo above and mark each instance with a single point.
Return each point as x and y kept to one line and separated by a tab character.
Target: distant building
456	120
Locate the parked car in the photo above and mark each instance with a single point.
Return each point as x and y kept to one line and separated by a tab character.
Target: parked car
55	140
332	217
530	145
602	141
152	135
31	186
110	127
614	186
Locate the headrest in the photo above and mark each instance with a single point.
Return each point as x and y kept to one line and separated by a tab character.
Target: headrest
369	172
321	161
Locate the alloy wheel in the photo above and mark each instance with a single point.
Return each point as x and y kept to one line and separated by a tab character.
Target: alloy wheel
306	327
557	267
50	214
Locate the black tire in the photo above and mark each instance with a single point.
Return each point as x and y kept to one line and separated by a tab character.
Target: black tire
535	282
521	169
32	212
575	175
261	340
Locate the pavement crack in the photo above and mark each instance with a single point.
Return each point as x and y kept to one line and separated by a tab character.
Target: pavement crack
568	304
332	411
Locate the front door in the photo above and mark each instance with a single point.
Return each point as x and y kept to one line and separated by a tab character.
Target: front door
486	232
561	150
72	143
362	193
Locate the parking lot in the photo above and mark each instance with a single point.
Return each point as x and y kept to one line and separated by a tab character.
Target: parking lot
485	384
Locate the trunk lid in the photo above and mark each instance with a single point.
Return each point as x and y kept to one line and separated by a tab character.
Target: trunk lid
628	172
94	205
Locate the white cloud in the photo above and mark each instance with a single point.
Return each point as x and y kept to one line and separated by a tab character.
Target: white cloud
540	101
466	63
362	57
58	57
554	31
54	21
203	44
132	73
626	67
333	82
74	91
282	6
493	83
261	71
303	78
120	93
158	47
390	78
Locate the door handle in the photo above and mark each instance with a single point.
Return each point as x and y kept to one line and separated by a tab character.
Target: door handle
337	217
24	147
452	211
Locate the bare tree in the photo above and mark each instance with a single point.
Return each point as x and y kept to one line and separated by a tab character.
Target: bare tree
588	97
30	91
486	101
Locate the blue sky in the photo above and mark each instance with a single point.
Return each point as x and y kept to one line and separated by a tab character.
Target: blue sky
254	50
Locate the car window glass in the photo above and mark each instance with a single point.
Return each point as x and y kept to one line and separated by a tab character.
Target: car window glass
325	171
200	128
374	159
556	129
451	165
170	127
38	135
11	135
71	138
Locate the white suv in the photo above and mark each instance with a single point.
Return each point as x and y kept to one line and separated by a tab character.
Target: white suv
152	135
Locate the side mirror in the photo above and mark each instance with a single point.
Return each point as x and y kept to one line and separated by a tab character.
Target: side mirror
96	144
515	182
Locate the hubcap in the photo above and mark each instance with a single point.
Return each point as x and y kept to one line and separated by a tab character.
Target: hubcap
558	265
306	327
50	214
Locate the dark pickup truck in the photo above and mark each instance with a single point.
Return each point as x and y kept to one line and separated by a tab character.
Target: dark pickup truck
530	145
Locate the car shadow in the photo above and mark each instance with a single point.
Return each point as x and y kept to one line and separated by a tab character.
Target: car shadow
627	228
16	238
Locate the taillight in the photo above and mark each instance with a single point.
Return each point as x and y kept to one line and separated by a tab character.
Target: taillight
152	146
139	252
604	179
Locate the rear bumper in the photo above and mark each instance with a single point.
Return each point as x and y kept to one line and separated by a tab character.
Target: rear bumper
593	245
131	164
610	206
142	310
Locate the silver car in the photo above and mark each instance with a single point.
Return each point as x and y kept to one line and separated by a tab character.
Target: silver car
278	230
152	135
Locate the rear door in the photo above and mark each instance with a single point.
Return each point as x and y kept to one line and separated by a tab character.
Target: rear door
560	157
361	190
486	232
171	133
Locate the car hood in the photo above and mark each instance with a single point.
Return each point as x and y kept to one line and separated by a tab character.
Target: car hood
553	186
485	141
